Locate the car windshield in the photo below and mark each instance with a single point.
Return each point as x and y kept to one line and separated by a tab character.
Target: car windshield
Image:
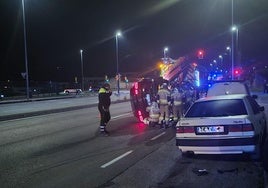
217	108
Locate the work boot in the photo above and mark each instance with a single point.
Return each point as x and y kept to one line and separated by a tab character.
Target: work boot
104	133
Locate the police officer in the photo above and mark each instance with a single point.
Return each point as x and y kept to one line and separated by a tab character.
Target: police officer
103	106
163	96
176	98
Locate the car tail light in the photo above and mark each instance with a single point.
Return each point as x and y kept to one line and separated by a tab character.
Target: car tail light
241	128
185	129
235	128
140	116
248	127
136	91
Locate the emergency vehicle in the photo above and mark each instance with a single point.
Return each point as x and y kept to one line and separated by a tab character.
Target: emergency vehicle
144	91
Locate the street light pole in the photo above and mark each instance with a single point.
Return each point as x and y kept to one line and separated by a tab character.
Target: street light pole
232	41
165	54
229	50
82	70
118	34
234	49
25	52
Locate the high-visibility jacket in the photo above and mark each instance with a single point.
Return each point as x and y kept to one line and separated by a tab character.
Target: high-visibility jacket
176	98
163	96
104	98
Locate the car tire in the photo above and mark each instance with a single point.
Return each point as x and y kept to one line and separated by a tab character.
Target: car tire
257	156
264	136
265	155
188	154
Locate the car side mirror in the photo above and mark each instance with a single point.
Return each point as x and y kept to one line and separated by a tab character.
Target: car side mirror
254	96
262	108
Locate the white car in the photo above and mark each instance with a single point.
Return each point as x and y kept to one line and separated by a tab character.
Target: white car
228	88
77	91
226	124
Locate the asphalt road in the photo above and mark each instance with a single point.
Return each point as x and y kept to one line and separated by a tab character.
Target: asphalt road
12	109
63	149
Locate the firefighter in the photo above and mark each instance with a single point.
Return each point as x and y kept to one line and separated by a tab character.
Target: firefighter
103	106
153	110
163	97
177	108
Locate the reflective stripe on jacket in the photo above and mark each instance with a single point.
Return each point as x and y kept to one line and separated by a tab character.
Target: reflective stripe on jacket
163	96
104	98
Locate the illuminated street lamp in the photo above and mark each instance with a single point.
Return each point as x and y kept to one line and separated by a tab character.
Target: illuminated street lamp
220	57
165	54
82	70
234	29
25	52
118	34
228	49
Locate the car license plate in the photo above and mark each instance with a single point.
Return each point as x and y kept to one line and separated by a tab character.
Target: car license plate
210	129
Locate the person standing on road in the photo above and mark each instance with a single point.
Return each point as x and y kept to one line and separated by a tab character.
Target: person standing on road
176	98
163	98
103	106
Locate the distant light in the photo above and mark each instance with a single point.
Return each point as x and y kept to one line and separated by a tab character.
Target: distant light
118	34
165	49
234	28
200	54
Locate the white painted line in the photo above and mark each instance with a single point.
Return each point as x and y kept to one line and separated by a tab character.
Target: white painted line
126	114
116	159
154	138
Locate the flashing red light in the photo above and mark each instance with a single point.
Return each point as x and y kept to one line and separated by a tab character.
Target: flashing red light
200	54
136	88
140	116
238	72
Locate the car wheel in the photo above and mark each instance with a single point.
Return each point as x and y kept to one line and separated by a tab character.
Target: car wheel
265	155
264	136
188	154
259	149
257	155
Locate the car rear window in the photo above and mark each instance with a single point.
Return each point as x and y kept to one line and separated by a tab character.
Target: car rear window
217	108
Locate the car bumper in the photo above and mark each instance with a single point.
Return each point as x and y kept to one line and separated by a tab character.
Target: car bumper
218	146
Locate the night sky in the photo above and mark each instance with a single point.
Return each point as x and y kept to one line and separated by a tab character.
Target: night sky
58	29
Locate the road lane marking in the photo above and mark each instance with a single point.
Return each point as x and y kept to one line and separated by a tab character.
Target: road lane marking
116	159
154	138
126	114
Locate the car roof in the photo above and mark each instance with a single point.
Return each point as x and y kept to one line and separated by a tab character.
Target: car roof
222	97
228	88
